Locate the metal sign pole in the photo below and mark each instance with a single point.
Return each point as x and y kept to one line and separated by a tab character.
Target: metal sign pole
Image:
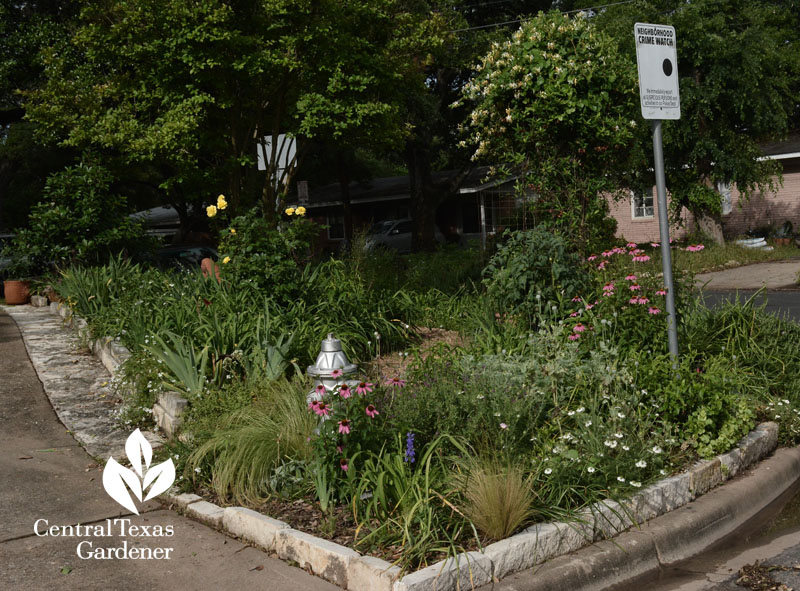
663	225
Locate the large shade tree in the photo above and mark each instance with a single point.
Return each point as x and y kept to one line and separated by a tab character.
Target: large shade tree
192	87
739	74
557	102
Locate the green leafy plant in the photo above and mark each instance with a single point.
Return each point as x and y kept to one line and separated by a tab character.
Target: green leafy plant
531	267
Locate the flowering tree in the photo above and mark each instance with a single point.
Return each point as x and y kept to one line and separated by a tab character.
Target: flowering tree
558	103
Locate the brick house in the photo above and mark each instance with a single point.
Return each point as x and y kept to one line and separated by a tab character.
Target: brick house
637	216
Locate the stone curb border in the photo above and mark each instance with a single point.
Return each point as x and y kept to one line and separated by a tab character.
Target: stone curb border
544	541
541	542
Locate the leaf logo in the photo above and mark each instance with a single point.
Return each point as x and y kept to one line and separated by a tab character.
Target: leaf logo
120	481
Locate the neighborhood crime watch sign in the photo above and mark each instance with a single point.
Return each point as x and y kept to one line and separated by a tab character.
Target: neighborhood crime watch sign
657	57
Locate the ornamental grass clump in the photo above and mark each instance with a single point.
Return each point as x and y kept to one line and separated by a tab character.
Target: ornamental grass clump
240	457
498	496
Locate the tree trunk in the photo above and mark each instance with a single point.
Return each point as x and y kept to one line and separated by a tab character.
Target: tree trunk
709	225
344	188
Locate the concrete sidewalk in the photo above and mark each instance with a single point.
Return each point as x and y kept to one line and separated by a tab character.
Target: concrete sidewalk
773	275
48	476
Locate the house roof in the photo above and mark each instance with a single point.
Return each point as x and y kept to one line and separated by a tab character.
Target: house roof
783	149
393	188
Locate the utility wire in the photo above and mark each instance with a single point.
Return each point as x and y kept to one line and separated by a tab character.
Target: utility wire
522	20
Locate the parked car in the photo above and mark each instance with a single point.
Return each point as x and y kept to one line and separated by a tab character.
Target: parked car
183	257
395	234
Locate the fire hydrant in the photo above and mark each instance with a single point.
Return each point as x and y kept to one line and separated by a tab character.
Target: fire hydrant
331	369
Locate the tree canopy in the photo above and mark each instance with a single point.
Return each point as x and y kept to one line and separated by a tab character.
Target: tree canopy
739	69
193	86
557	103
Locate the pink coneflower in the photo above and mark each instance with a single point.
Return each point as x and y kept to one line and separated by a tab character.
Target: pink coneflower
395	381
322	409
695	248
643	301
590	306
345	391
630	278
591	258
661	292
576	299
574	314
503	426
313	405
574	337
578	328
321	390
364	387
635	287
641	258
606	253
601	266
653	311
655	244
371	411
337	373
633	300
608	293
343	464
344	426
632	245
608	286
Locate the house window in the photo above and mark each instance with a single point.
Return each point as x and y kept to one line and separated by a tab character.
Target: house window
335	227
642	204
724	190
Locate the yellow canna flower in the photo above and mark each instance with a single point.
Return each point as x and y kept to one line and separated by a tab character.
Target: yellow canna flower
211	211
300	210
289	211
221	203
226	260
233	230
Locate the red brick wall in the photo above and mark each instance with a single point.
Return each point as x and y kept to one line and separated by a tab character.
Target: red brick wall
764	210
642	230
760	211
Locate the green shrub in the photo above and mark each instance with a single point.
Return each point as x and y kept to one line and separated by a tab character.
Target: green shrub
80	220
270	258
531	267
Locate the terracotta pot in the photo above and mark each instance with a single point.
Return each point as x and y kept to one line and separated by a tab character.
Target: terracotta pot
17	292
783	241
